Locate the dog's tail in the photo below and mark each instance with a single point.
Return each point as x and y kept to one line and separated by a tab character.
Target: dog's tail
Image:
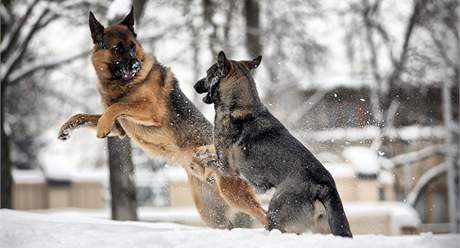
335	214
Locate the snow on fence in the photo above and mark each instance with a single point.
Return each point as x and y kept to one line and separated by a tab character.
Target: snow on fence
408	133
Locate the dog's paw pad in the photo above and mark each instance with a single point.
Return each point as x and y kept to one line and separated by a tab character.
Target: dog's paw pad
64	134
210	180
200	154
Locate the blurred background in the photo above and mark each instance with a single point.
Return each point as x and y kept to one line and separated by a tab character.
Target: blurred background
370	87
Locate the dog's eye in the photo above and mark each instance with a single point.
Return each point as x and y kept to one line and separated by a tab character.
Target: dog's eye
117	48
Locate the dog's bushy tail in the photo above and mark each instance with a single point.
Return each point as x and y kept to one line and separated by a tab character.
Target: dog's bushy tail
336	217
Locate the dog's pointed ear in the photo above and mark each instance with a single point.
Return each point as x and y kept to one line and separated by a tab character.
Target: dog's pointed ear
129	20
97	30
252	64
223	64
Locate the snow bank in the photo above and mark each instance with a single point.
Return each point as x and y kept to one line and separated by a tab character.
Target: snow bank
22	229
182	215
401	214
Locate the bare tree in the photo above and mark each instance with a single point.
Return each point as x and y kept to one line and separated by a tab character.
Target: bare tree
121	166
290	48
383	82
440	20
18	31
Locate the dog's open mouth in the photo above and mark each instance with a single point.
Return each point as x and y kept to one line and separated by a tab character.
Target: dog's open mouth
127	73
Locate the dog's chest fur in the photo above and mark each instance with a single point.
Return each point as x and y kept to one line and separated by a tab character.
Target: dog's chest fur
235	142
182	126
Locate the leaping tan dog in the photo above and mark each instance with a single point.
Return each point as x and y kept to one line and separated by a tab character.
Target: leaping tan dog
142	99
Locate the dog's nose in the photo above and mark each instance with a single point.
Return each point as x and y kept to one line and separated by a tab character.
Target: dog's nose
200	86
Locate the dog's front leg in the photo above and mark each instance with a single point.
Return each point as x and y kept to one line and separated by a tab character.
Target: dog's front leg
140	113
206	155
85	120
222	164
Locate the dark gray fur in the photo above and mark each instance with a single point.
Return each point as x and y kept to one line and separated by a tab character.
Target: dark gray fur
251	141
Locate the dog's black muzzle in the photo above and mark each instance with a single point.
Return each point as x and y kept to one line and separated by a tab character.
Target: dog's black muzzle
200	86
126	69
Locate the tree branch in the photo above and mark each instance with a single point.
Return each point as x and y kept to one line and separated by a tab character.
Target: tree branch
12	37
413	21
411	157
19	52
20	74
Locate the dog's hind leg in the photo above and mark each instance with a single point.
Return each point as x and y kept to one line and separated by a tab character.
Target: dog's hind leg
335	214
291	211
212	208
239	194
235	191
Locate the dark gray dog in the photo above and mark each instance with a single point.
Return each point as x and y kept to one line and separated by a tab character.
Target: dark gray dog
251	141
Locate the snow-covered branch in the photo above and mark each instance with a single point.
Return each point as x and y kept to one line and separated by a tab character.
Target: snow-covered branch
5	14
20	50
409	31
25	71
16	42
411	157
407	133
12	36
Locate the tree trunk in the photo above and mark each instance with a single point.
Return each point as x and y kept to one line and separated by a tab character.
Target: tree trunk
253	30
121	167
209	9
122	184
6	181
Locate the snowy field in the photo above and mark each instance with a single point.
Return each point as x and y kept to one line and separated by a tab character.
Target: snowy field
23	229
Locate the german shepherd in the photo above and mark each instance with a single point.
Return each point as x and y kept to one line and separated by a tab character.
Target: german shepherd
251	141
142	99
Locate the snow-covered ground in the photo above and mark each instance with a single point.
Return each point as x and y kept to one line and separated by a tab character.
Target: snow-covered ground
23	229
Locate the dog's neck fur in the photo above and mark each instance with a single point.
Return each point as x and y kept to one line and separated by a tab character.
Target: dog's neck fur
107	86
238	95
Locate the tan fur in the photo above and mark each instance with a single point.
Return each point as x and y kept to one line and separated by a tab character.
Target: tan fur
140	108
235	193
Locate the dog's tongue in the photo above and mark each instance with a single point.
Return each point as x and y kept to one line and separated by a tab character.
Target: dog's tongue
127	75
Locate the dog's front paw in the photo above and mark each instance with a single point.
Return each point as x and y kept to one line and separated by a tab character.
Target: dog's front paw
211	179
64	134
73	123
201	152
205	152
102	132
103	128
